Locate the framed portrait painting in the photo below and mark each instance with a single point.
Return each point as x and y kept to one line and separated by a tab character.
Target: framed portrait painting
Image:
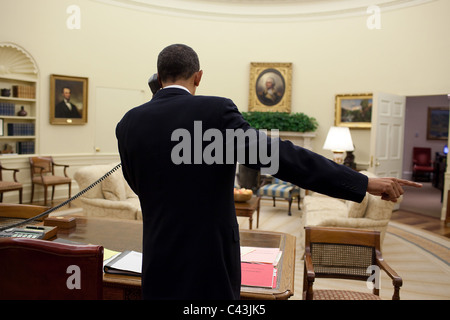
354	110
437	124
68	100
270	87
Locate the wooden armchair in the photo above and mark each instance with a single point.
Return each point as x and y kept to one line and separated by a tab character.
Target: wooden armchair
34	269
344	253
6	186
43	173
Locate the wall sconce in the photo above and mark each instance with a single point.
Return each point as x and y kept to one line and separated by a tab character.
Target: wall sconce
339	141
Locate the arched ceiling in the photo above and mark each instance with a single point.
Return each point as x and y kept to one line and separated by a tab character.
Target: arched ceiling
263	10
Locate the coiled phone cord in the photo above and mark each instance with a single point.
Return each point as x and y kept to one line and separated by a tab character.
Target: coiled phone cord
106	175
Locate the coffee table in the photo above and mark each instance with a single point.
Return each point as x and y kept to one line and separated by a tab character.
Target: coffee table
246	209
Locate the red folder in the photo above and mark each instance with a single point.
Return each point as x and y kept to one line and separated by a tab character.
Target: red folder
258	275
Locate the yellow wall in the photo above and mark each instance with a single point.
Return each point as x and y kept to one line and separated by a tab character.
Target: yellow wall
117	48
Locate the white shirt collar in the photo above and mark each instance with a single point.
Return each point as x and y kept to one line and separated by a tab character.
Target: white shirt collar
177	86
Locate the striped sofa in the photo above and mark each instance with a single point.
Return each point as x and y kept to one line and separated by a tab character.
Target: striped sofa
280	189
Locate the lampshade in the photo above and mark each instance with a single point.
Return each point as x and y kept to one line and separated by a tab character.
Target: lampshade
339	139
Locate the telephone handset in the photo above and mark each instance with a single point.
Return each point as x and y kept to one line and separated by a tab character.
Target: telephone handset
154	84
106	175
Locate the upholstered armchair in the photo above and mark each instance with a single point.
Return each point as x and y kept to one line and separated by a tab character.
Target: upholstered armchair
422	166
112	198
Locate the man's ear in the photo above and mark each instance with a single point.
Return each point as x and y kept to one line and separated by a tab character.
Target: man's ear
198	78
159	80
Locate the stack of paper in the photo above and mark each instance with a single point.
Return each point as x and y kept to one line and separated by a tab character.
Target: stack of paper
259	266
127	263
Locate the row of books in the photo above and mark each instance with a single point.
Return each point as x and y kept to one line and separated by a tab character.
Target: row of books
25	147
259	266
24	91
7	109
21	129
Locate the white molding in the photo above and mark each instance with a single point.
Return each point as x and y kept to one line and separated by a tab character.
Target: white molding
261	10
16	62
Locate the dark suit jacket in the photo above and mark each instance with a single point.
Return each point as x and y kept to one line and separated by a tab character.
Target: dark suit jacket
61	111
191	238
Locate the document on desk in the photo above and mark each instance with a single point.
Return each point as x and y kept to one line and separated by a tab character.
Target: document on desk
126	263
260	255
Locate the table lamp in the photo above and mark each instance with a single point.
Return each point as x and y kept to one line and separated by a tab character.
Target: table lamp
338	141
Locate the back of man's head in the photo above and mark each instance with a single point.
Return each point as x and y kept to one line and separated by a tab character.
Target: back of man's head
177	61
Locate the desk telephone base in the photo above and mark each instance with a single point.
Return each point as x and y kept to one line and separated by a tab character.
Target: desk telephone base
30	231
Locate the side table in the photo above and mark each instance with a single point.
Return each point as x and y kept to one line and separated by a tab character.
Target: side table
246	209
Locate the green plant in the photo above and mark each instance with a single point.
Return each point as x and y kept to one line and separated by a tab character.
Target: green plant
297	122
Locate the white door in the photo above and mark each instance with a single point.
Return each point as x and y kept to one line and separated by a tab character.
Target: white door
387	134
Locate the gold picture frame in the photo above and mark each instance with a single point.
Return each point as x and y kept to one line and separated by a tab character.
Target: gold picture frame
437	123
354	110
279	77
68	100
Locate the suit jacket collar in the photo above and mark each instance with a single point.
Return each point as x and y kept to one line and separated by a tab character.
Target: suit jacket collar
170	92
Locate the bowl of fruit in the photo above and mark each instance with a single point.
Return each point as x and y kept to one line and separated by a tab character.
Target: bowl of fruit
242	194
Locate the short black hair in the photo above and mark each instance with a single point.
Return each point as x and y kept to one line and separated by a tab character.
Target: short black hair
177	61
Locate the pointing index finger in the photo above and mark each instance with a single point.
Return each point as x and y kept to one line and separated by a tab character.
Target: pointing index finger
409	183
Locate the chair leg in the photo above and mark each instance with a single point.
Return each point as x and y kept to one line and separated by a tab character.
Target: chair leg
45	195
273	201
1	197
290	204
70	192
53	192
32	192
20	196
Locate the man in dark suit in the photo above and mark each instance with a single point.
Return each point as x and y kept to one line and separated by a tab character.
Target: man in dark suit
65	108
191	244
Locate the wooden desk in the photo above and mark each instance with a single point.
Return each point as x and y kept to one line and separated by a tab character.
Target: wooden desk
246	209
120	235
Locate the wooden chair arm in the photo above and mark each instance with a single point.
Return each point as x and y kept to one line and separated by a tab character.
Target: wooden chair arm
309	276
11	169
389	271
62	165
397	281
40	172
39	167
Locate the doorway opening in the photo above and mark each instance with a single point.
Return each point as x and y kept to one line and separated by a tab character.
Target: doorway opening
427	200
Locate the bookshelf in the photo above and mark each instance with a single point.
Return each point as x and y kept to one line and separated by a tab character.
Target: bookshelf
18	101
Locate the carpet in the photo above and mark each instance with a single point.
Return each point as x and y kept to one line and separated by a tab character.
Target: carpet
421	258
425	200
